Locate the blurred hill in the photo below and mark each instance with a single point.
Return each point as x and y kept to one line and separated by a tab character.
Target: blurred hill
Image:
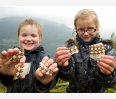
54	34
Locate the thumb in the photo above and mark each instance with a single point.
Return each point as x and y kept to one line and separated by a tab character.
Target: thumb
23	59
66	63
38	73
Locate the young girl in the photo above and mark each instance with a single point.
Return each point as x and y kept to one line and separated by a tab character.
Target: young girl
30	35
86	74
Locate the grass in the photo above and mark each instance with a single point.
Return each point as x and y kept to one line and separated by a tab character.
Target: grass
112	89
60	88
2	88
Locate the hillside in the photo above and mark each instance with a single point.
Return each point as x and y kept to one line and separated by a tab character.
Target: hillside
54	34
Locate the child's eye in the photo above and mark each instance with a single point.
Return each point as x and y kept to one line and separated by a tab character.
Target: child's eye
33	35
24	35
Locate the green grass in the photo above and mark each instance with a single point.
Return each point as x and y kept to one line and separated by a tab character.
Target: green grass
2	88
112	89
60	88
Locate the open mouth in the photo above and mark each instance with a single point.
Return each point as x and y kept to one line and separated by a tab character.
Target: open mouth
28	44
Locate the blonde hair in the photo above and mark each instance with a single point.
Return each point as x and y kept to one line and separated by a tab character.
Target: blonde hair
85	14
31	22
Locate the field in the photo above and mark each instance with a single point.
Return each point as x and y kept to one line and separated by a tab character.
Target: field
59	88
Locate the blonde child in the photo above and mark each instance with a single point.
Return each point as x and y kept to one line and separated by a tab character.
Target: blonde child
86	75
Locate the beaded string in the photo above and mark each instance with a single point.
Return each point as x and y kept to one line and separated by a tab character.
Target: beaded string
45	69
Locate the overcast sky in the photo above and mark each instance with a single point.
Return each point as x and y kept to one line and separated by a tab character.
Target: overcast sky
63	14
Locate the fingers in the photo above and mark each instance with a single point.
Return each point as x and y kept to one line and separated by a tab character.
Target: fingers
39	73
4	54
105	71
53	68
46	58
63	58
9	59
63	61
105	68
62	55
23	59
48	61
61	51
107	64
9	53
45	78
47	67
109	58
16	51
66	63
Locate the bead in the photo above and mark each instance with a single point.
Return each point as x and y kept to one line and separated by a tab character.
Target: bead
73	49
96	51
14	58
45	69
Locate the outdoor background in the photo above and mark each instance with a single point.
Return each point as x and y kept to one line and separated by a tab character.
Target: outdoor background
57	26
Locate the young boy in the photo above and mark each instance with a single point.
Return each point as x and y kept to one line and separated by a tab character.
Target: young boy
30	35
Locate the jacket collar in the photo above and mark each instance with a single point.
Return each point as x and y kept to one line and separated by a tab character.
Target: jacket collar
93	41
40	48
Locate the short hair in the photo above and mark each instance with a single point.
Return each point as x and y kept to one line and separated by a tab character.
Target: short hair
31	22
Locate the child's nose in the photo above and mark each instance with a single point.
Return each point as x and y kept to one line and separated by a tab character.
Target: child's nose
28	38
86	33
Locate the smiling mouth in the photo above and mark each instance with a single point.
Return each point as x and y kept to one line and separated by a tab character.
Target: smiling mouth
86	37
29	44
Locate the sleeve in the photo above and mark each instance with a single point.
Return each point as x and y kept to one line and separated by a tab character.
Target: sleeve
6	80
38	85
106	80
67	72
45	88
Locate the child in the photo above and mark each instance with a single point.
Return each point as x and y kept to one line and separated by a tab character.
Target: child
87	75
30	35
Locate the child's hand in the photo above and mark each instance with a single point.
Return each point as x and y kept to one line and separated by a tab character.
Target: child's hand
51	66
62	56
6	65
107	64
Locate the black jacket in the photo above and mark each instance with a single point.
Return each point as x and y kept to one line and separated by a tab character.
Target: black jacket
83	73
29	84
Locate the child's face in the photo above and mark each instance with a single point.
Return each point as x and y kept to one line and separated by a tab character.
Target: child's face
86	29
29	37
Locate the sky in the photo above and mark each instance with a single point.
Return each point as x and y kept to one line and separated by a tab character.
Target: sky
63	14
